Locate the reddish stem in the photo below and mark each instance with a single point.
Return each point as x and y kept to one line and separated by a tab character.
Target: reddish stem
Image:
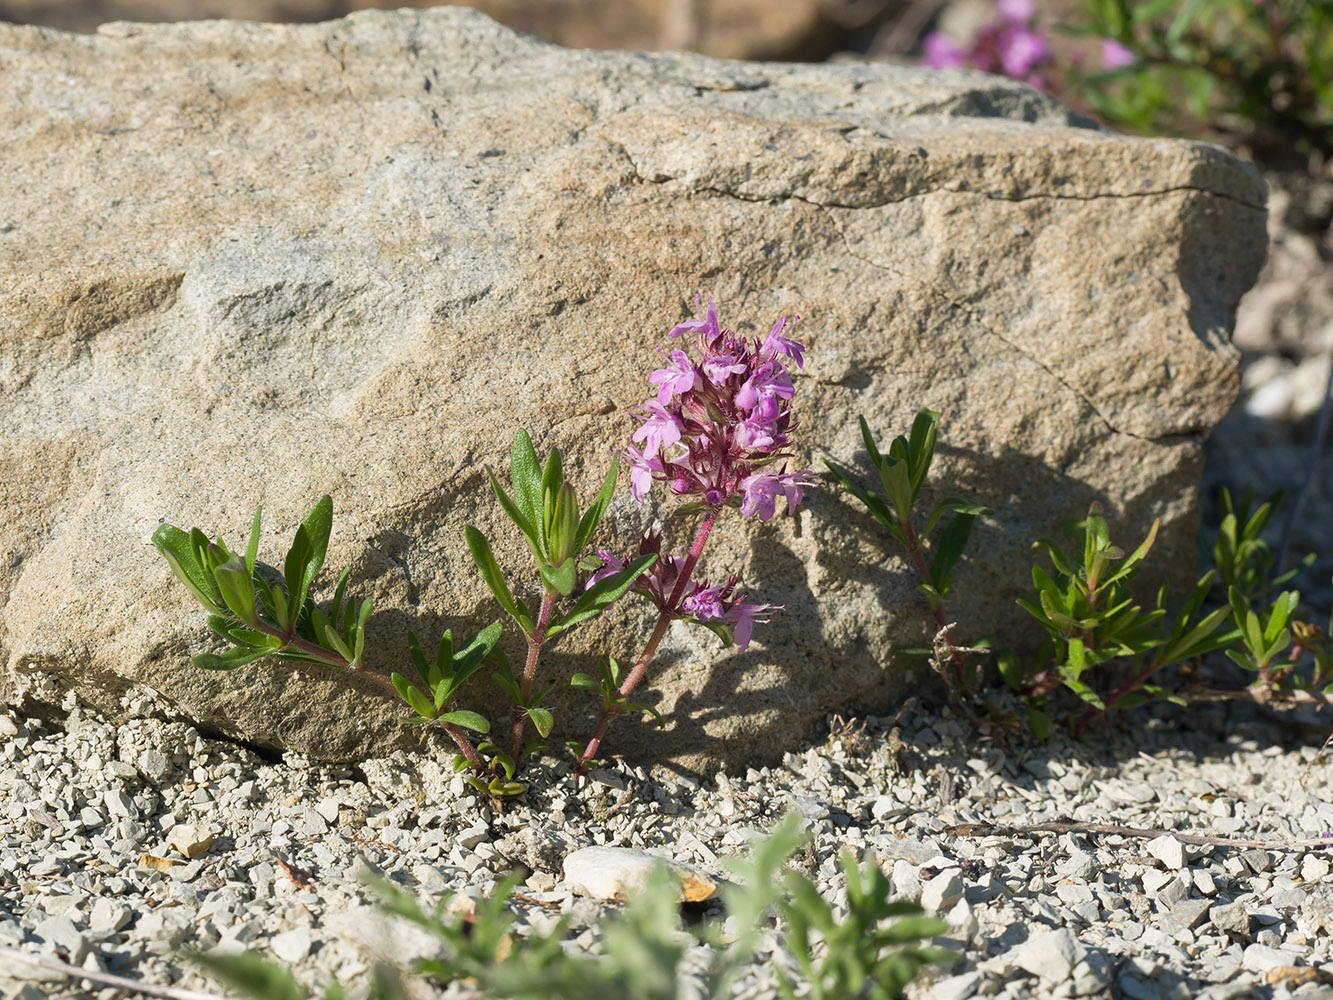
918	557
664	619
535	643
336	660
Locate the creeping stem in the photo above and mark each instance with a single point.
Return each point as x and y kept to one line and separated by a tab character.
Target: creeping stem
664	618
335	660
535	643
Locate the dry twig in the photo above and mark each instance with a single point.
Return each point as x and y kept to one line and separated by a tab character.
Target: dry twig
49	964
1112	830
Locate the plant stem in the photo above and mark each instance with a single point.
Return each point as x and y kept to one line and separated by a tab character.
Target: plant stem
336	660
1129	686
919	559
535	643
664	618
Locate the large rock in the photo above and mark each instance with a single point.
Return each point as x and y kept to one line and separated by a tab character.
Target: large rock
247	264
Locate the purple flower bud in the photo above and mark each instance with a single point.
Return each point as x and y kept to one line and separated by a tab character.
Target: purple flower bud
705	604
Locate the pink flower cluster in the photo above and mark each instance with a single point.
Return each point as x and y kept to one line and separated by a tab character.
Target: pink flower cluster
720	422
1010	45
699	601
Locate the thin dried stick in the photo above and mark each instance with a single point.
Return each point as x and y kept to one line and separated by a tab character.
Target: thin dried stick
49	964
1109	829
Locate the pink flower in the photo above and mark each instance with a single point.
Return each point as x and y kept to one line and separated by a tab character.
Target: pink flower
1115	55
727	408
611	565
776	343
661	430
1020	50
769	382
705	604
722	367
675	380
743	617
939	51
1016	10
641	473
706	325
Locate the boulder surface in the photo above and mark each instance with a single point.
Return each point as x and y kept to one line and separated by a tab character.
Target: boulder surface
246	265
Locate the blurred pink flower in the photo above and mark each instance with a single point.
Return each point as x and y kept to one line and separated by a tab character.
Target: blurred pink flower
1117	56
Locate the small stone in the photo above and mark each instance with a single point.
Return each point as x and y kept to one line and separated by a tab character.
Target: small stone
1257	861
1050	955
119	804
1080	866
956	987
291	946
90	817
941	892
119	769
473	836
190	839
962	921
1230	917
1261	958
429	875
1185	915
1204	882
8	728
615	872
155	764
108	916
329	808
60	934
1314	868
1153	881
1169	851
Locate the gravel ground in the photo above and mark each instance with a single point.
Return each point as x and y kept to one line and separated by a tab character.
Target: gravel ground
1074	914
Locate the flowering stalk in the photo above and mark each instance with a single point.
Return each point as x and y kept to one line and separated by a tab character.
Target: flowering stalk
714	433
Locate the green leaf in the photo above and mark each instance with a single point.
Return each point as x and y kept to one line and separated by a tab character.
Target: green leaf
877	507
175	547
553	477
593	515
868	440
413	696
1039	723
306	555
958	506
514	514
252	546
542	721
474	652
949	549
921	448
1011	670
564	528
526	473
237	656
600	595
238	590
559	578
251	975
490	572
585	681
360	644
418	658
467	720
